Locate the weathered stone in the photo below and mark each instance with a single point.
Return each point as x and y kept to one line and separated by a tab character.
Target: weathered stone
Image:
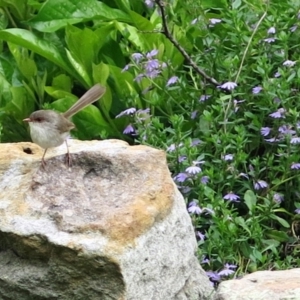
113	226
262	285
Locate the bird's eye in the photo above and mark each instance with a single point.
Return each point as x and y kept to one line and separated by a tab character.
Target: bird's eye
38	119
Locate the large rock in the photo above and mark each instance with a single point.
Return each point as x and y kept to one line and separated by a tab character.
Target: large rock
113	226
262	285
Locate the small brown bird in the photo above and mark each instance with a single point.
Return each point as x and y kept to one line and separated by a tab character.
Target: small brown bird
50	129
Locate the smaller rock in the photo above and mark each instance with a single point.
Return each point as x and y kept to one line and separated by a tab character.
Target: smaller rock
262	285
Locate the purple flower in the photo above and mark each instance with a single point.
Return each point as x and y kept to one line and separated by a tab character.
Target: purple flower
194	114
265	131
214	21
293	28
295	140
295	166
297	210
227	270
193	170
271	30
201	236
286	129
129	129
209	211
139	77
194	21
269	40
205	261
277	74
150	3
277	100
228	157
172	147
194	208
272	140
228	86
260	184
235	104
137	57
153	74
213	276
289	63
256	90
195	142
204	179
232	197
278	198
172	80
181	177
152	65
278	114
129	111
204	98
125	68
243	175
152	53
181	158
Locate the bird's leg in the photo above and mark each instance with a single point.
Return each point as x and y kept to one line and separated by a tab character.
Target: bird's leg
68	156
43	159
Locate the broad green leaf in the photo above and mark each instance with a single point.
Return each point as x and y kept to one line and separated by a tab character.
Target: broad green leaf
250	200
20	105
58	93
3	19
17	8
56	14
83	45
100	73
211	4
122	81
63	82
144	24
25	64
5	95
36	44
79	69
134	36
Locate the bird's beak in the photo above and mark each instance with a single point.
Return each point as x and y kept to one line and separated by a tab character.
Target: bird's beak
27	120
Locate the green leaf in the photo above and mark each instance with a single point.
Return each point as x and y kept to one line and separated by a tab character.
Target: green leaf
83	45
58	93
133	35
36	44
20	105
250	200
79	69
16	7
283	222
63	82
25	64
100	74
277	235
56	14
241	222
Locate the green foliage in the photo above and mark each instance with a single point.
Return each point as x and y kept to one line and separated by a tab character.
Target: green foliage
233	152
